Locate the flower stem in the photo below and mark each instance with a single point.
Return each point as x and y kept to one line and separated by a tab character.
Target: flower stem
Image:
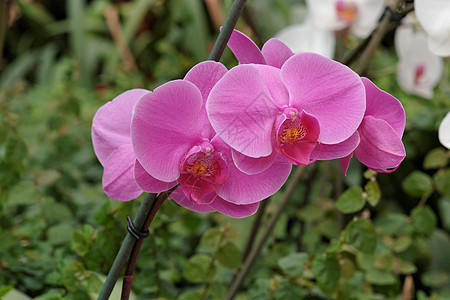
146	209
377	37
4	13
227	29
247	264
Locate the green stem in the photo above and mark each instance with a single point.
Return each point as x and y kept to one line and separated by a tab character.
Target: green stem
292	184
227	29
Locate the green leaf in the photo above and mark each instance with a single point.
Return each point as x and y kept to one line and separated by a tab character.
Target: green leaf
361	235
288	290
260	289
378	277
435	279
424	219
442	181
190	295
373	192
404	267
327	271
417	184
365	261
401	243
293	264
60	233
351	200
81	244
211	237
229	256
199	268
436	158
5	290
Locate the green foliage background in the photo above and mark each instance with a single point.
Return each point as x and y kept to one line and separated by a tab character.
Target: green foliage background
363	236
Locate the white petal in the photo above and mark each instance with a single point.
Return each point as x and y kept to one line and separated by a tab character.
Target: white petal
323	14
434	16
444	131
413	52
308	38
368	14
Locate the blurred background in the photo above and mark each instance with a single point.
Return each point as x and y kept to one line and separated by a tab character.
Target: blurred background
59	233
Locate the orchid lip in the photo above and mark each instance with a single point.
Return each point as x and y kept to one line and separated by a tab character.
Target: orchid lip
203	171
290	113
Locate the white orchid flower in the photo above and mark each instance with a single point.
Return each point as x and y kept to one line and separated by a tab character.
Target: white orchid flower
444	131
434	16
360	15
418	70
306	37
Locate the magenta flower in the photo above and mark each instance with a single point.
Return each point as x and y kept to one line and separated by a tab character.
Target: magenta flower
311	100
174	143
380	148
274	52
111	139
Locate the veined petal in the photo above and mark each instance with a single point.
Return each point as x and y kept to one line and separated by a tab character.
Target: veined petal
250	165
278	92
242	111
179	197
340	150
307	37
111	124
276	52
444	131
240	188
205	75
217	204
234	210
384	106
165	126
329	91
149	184
245	49
433	16
118	181
345	162
380	146
369	12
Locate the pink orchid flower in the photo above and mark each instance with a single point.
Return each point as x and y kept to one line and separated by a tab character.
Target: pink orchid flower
418	69
111	139
174	144
380	148
262	111
361	16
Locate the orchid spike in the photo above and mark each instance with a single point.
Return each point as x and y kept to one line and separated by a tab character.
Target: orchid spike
262	111
173	143
418	70
360	15
380	147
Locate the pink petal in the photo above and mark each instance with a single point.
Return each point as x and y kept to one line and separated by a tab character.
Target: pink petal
380	146
149	184
384	106
111	124
329	91
165	126
345	162
245	49
179	197
276	52
205	75
240	188
278	92
340	150
234	210
250	165
118	181
242	111
296	138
